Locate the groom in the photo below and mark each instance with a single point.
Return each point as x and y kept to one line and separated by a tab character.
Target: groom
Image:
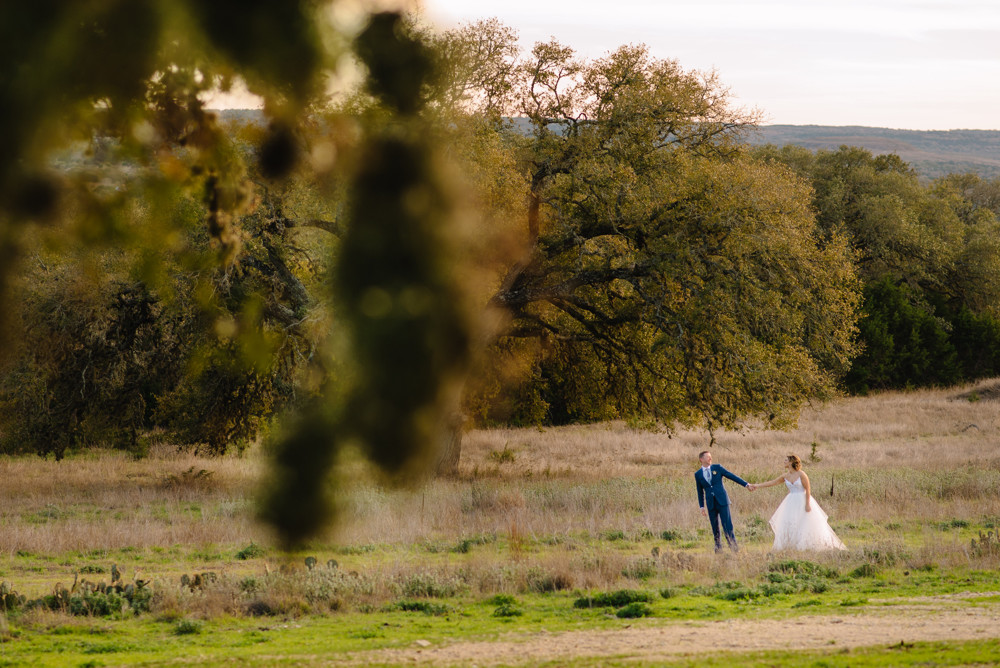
712	496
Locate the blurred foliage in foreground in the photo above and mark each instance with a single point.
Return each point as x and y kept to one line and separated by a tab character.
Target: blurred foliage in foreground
377	262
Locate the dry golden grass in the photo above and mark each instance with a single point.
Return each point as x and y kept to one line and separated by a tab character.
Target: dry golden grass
895	458
108	500
927	455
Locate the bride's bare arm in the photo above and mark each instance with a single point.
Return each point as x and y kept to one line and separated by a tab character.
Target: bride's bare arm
805	484
771	483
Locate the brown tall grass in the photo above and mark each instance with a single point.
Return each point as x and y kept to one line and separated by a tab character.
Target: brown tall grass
894	461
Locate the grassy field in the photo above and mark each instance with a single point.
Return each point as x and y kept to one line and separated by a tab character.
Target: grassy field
547	541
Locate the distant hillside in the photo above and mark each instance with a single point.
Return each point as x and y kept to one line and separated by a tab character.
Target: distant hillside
931	153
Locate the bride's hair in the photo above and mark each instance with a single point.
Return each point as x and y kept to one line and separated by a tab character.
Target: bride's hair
795	462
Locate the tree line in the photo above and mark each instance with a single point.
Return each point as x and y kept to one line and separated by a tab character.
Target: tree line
386	265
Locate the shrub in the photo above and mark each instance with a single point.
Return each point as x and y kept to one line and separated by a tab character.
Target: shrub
754	528
615	599
505	456
885	555
640	569
740	594
97	604
426	607
501	599
801	567
539	581
251	551
717	588
428	585
806	604
259	608
507	611
776	589
864	571
187	627
633	610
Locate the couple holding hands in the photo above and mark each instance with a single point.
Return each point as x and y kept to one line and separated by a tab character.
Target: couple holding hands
798	524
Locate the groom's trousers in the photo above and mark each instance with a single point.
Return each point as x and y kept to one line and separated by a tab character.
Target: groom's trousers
715	514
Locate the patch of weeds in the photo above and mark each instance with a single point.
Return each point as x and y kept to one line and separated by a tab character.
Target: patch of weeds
717	588
778	588
542	582
754	527
429	585
850	602
507	611
613	534
813	453
105	648
883	555
740	594
505	456
207	555
615	599
187	627
816	586
49	512
250	584
355	549
260	608
865	571
794	576
501	599
642	568
251	551
801	567
669	592
787	577
670	535
91	569
434	546
426	607
807	603
634	610
465	545
366	633
954	523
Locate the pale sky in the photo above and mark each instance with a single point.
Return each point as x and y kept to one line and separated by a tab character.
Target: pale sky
909	64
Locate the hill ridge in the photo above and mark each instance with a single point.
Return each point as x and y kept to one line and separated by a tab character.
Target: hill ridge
932	153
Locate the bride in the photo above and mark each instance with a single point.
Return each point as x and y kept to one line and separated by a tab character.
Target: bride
799	523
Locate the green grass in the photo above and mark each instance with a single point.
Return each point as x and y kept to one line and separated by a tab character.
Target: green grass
308	640
478	585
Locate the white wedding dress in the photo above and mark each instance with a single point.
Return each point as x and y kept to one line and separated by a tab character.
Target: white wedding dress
795	529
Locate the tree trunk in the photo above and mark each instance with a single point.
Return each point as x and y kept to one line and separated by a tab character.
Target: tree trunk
451	445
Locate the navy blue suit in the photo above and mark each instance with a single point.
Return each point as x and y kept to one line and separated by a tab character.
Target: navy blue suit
713	497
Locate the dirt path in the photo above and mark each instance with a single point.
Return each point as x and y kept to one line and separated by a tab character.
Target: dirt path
942	618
